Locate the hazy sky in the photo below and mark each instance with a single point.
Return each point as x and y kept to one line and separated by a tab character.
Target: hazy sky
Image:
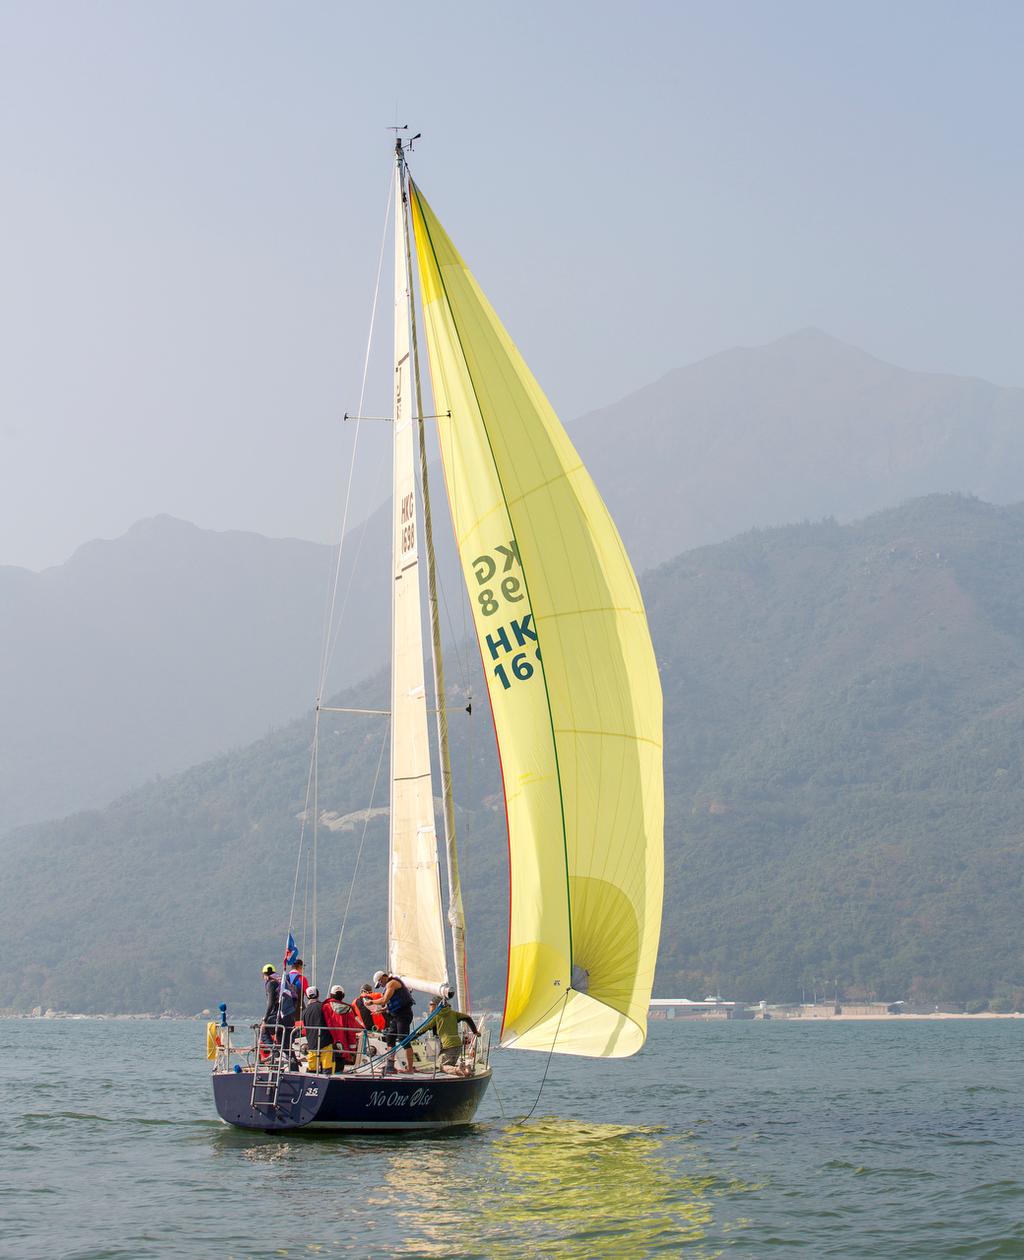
192	198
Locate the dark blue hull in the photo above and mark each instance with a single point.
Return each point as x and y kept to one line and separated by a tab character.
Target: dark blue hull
351	1102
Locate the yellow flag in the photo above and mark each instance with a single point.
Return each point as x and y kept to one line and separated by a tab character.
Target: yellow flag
571	677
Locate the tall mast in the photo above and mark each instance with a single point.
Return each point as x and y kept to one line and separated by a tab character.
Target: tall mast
456	915
416	937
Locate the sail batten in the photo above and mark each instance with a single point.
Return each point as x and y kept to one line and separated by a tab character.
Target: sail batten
570	674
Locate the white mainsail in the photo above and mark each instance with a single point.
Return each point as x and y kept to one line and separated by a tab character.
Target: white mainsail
416	947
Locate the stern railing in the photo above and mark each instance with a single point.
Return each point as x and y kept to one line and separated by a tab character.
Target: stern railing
277	1049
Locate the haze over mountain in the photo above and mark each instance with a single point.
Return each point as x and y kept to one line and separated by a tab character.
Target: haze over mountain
156	650
153	651
801	428
844	730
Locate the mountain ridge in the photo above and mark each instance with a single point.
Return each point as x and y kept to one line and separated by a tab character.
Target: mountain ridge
230	622
844	757
157	650
804	427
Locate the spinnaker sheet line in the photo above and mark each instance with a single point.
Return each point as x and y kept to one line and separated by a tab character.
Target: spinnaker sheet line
547	1065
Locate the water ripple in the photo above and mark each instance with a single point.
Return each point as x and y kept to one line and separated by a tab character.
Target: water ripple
816	1141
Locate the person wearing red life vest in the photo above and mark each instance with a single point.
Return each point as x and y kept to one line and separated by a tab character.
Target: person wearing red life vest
343	1026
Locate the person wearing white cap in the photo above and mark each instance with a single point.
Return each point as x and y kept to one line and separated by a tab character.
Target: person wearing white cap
397	1002
319	1043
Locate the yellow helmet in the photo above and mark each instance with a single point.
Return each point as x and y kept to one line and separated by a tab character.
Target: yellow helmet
268	969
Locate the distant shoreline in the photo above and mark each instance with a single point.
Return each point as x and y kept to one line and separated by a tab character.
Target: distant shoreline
851	1019
107	1016
773	1017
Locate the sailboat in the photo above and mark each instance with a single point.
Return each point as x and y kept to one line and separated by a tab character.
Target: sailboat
577	709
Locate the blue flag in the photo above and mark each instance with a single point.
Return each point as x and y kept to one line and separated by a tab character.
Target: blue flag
292	952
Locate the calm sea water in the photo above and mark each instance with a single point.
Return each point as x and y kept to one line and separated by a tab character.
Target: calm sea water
720	1139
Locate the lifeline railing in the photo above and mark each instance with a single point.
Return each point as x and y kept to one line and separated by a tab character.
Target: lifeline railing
278	1049
373	1061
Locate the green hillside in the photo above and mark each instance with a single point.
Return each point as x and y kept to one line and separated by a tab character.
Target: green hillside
172	644
845	741
175	895
844	745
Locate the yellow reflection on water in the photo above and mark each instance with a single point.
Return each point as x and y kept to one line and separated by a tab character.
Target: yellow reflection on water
552	1186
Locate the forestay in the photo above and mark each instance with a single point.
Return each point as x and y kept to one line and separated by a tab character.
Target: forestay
571	675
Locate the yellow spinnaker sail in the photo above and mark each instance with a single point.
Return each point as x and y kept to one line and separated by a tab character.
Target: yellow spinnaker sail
571	676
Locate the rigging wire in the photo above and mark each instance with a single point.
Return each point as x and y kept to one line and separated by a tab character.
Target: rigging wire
501	1105
302	830
326	651
551	1054
547	1065
466	703
305	903
328	644
360	539
455	916
316	832
456	644
359	852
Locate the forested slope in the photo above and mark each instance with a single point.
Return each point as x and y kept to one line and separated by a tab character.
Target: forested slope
844	749
171	644
844	744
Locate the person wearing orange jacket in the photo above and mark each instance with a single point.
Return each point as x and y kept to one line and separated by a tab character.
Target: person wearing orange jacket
372	1020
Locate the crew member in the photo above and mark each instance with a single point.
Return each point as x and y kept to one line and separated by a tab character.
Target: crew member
397	1002
341	1019
445	1022
319	1043
291	1001
296	978
370	1018
272	988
